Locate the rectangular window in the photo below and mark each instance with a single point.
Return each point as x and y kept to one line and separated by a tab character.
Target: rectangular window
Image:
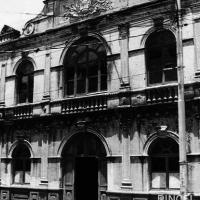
21	171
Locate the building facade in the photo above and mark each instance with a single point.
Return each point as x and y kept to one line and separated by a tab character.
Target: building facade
88	102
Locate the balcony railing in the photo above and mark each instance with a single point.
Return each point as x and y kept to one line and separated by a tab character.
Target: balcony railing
162	94
99	102
19	112
86	104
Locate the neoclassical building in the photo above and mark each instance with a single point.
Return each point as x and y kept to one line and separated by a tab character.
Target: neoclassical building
88	102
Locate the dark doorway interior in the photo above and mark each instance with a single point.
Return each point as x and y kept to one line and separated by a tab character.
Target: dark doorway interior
86	178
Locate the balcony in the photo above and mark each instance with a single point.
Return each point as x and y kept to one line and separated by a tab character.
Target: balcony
19	112
161	94
86	104
100	102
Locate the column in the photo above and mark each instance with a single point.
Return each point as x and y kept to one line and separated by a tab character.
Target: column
47	69
44	157
125	129
2	85
124	48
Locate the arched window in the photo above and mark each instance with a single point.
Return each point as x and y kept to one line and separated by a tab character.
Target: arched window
24	75
21	164
161	59
164	164
85	67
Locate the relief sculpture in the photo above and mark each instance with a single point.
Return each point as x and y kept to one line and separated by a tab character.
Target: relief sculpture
85	8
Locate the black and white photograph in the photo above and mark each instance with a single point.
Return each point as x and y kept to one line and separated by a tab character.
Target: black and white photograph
100	100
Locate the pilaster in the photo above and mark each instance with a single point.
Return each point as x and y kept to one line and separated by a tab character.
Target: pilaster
125	129
46	95
61	83
124	57
197	46
2	85
44	157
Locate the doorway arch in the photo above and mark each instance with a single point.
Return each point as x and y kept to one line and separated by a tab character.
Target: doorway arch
84	167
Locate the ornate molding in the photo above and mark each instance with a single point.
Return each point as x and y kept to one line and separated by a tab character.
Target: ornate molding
85	8
162	130
29	29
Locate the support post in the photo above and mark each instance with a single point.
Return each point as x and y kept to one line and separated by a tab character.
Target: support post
181	108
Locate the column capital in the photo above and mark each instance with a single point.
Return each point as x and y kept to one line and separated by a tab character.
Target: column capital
124	30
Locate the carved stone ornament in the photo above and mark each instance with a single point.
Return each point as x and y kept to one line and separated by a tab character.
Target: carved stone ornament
29	29
85	8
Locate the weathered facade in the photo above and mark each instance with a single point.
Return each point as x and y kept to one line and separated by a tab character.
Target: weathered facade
88	97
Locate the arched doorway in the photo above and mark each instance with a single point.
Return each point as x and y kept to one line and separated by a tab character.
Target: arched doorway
84	167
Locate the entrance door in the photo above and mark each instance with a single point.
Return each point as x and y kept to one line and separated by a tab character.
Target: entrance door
86	178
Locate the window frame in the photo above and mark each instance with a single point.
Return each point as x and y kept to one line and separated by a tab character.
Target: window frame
29	83
101	62
24	161
166	156
167	172
163	69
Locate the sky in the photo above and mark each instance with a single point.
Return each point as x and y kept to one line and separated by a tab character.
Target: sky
11	12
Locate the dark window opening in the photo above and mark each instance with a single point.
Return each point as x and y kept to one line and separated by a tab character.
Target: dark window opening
161	57
25	82
21	164
164	164
85	67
